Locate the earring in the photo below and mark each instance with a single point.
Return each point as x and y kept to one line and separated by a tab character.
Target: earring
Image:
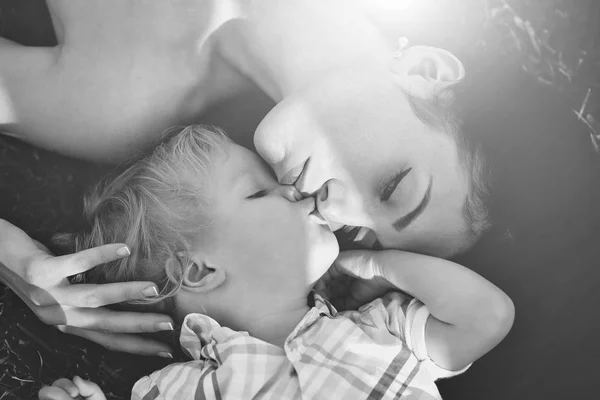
402	45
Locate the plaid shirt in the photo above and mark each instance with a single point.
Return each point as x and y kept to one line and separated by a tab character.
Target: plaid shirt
377	352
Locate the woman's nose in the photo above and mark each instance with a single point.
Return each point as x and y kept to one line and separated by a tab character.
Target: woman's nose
339	204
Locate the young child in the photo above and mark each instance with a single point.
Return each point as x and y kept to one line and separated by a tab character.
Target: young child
235	256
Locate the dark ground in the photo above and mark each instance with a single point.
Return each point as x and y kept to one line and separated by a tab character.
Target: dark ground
41	193
555	40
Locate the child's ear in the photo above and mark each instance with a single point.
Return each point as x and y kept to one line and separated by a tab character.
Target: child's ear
199	276
420	70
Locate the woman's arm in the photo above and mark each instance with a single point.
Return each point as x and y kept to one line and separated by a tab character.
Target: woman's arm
40	280
284	48
121	73
469	315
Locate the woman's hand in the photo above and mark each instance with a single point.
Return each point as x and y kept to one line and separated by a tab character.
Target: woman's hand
354	279
65	389
40	280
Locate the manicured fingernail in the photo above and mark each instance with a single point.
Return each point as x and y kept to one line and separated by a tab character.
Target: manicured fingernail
165	355
164	326
124	251
150	291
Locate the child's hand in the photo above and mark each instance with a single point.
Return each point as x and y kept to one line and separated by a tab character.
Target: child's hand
469	315
65	389
354	279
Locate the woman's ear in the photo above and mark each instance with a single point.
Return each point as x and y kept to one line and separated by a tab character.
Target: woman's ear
199	276
420	70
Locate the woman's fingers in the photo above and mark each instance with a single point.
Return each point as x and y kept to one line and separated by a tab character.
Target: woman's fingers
123	342
46	270
92	295
67	385
105	320
53	393
82	261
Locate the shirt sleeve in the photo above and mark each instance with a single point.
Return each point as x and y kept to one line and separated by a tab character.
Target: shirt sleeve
413	315
146	389
177	381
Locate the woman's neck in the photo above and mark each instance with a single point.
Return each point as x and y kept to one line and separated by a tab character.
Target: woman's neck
285	48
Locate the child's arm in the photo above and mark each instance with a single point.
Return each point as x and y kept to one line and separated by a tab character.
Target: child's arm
469	315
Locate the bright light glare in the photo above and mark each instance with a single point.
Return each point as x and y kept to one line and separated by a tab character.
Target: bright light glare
400	16
404	9
391	5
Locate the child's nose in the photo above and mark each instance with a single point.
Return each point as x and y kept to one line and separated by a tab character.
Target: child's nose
289	192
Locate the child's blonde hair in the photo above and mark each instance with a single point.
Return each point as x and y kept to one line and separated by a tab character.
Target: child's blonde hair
157	206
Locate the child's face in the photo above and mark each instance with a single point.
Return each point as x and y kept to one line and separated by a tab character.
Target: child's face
266	241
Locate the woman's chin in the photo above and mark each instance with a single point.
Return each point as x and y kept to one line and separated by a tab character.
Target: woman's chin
357	238
335	226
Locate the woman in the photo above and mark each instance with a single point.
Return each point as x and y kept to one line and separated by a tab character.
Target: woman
344	95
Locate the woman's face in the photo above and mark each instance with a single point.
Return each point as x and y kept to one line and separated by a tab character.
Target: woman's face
355	140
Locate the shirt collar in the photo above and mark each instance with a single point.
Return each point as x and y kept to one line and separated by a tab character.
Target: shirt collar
199	330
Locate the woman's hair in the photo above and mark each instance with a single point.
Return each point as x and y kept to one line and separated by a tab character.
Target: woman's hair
529	157
445	112
543	201
158	207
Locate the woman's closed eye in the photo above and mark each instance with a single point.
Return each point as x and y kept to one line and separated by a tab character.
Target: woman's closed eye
388	187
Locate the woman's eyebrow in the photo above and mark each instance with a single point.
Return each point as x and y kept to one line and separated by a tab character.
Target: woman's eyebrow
406	220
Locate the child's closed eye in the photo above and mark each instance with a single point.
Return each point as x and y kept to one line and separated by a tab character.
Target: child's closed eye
259	194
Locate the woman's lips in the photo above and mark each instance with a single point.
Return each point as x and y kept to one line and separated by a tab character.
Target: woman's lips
333	225
318	218
313	211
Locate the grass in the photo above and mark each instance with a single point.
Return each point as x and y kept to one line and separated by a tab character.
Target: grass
555	40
